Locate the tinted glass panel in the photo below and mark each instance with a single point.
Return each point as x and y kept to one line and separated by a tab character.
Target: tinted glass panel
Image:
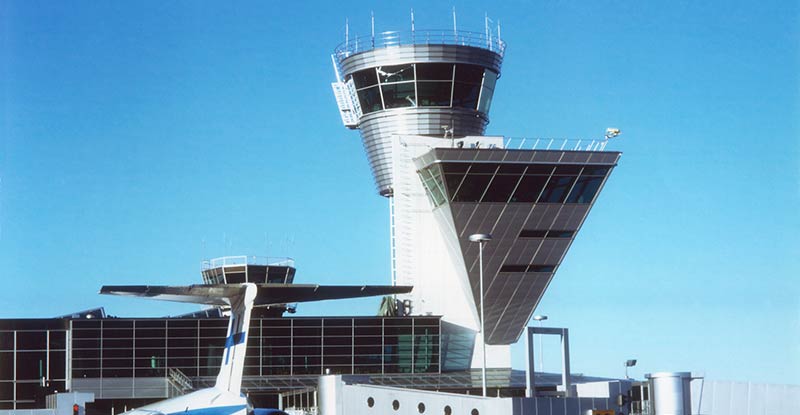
541	268
6	340
6	391
365	78
235	278
501	187
465	95
58	340
6	365
560	234
529	189
370	100
31	365
396	73
484	168
485	100
435	71
567	169
594	171
472	74
513	268
532	234
585	189
58	365
487	91
511	169
399	95
556	189
473	187
434	94
453	181
31	340
539	170
455	167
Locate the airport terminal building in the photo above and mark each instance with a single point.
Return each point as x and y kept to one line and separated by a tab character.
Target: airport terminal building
479	225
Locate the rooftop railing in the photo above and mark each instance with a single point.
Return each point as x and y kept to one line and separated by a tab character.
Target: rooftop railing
227	261
569	144
419	37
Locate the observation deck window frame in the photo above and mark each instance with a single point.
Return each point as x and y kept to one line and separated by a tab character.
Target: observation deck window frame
470	86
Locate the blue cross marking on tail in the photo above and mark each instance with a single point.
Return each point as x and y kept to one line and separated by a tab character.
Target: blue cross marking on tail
233	340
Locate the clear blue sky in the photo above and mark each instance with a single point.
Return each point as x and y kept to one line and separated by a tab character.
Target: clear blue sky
138	138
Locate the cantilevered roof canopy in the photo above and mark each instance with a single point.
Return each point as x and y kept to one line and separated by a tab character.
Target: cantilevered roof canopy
268	294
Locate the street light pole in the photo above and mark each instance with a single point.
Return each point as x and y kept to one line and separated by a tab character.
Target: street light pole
540	319
481	238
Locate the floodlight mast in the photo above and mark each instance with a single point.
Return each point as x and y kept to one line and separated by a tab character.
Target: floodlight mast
481	238
540	319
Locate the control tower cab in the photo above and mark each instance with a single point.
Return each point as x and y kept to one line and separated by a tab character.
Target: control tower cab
427	83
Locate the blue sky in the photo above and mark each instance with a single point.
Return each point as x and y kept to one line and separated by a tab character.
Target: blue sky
137	139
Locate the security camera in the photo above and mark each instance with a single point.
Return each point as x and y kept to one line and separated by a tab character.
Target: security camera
612	132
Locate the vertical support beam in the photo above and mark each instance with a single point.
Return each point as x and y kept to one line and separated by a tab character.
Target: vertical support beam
530	383
566	379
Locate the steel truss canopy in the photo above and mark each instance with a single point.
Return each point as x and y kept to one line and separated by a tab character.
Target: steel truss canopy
268	294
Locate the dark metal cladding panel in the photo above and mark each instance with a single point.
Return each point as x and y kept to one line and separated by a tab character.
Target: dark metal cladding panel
570	217
519	310
542	217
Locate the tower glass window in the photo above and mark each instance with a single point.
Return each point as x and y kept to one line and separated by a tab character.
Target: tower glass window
532	183
426	85
399	95
560	183
487	91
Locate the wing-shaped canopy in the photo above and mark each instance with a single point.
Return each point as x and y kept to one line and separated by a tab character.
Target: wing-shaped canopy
268	294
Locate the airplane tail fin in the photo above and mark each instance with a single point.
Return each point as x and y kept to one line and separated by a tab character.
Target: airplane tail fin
230	372
240	297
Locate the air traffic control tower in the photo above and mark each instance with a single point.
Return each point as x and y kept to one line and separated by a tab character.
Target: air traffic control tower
421	102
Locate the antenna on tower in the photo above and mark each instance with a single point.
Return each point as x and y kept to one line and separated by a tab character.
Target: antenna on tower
455	29
488	32
372	18
412	20
498	32
346	32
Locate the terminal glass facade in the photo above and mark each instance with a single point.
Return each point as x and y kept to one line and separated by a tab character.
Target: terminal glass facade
114	348
33	362
38	357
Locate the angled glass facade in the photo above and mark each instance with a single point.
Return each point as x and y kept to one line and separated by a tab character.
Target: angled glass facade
487	182
533	202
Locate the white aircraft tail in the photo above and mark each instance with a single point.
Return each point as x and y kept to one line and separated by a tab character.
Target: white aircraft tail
232	367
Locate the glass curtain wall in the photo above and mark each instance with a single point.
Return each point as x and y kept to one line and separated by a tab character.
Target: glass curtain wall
32	364
511	183
122	348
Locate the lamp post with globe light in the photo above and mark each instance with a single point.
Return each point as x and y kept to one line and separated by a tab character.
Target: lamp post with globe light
481	238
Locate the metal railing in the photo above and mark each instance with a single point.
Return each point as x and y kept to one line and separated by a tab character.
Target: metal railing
246	260
179	381
419	37
569	144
